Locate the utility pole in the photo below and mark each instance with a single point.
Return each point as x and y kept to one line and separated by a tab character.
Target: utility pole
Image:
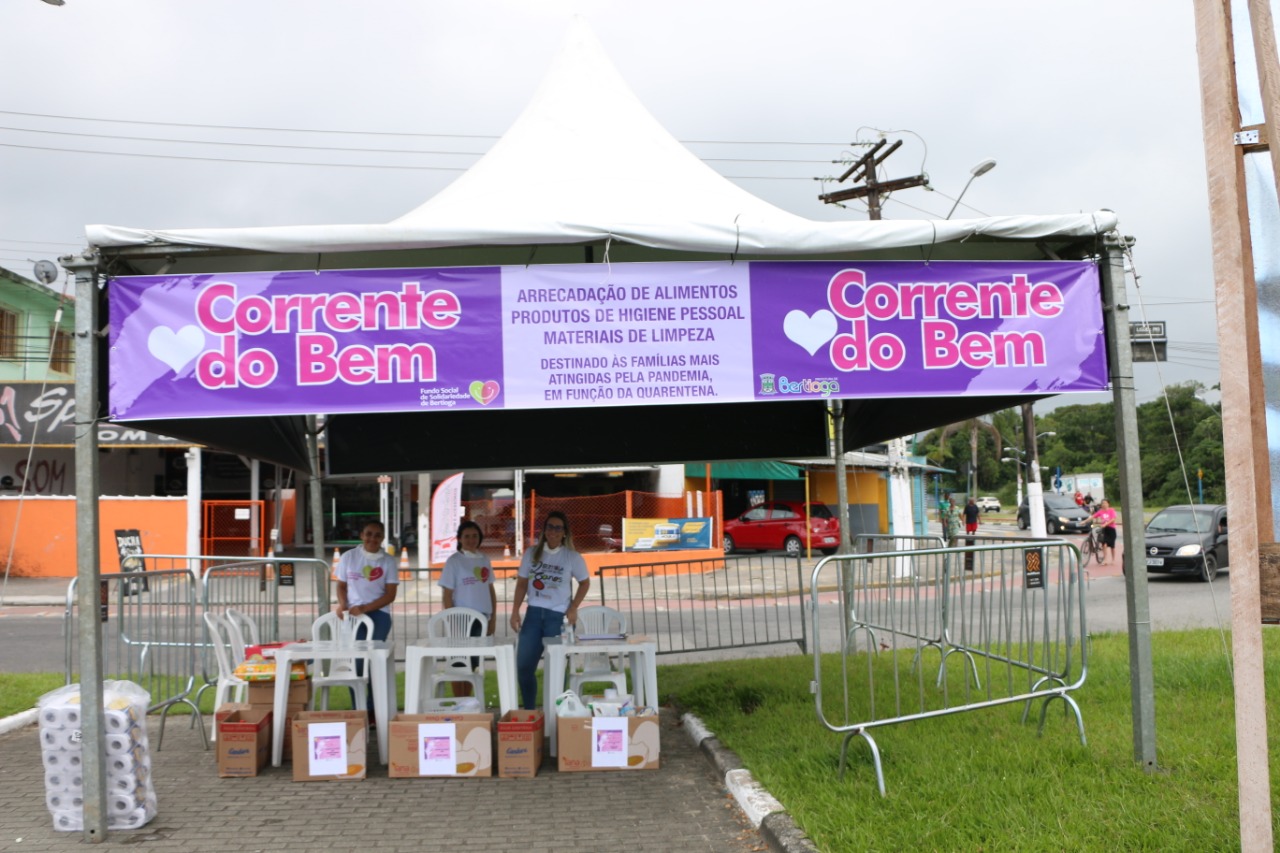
863	170
872	188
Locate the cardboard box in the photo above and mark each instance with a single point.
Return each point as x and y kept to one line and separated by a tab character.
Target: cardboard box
607	743
262	694
330	746
244	740
290	712
441	745
227	708
520	738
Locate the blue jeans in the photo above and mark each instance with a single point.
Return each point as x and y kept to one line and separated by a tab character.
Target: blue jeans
539	623
381	630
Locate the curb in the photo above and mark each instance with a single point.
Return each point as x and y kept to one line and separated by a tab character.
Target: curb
17	721
760	807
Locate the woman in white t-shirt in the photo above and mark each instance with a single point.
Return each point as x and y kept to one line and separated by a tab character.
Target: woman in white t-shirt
367	579
544	576
467	581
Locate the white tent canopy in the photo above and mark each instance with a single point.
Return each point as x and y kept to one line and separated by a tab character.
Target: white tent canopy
586	174
586	162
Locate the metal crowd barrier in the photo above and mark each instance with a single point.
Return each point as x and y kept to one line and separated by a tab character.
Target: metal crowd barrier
419	598
1009	617
282	596
709	604
150	633
685	605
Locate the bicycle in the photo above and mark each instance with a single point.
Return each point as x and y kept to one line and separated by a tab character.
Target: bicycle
1091	547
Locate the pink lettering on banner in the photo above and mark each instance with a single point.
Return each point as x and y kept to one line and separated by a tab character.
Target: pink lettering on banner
321	361
227	368
960	300
855	351
836	288
219	309
945	348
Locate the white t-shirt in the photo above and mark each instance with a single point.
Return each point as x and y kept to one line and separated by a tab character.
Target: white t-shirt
366	575
470	576
549	585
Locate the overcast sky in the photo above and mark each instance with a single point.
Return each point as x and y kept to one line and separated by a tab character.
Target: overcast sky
1084	105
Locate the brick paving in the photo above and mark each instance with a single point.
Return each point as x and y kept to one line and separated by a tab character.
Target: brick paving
682	806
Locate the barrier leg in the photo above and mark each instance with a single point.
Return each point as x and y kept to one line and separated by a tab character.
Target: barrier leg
875	755
1071	704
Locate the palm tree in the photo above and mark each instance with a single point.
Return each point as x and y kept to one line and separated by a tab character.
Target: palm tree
972	425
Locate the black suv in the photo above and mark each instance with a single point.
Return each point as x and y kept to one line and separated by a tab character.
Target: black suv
1061	515
1187	539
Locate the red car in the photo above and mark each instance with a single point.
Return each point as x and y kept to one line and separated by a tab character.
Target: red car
778	525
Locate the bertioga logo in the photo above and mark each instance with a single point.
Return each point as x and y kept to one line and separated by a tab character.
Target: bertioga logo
825	387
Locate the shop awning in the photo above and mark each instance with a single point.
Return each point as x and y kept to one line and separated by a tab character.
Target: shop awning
744	470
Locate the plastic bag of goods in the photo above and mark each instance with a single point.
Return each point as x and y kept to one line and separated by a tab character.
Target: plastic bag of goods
131	797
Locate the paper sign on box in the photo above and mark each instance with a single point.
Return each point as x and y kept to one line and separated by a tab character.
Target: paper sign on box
441	745
329	745
593	743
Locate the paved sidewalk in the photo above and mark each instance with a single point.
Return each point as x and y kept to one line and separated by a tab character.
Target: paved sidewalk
683	806
28	592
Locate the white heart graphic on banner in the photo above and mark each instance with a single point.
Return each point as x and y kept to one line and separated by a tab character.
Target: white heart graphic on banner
809	332
175	349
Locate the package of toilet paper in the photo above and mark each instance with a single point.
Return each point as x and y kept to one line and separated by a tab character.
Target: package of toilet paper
131	797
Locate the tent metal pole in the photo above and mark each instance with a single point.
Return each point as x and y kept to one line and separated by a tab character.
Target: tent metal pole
1115	313
88	571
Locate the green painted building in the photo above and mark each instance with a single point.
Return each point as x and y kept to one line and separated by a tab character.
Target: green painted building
35	343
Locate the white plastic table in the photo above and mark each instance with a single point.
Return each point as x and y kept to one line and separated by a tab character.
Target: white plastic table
642	654
377	656
421	655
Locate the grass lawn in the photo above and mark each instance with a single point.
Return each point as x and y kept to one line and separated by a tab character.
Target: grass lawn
984	781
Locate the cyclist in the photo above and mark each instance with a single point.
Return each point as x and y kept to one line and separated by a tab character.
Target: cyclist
1105	517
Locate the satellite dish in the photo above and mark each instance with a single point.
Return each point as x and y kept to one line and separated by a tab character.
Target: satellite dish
46	272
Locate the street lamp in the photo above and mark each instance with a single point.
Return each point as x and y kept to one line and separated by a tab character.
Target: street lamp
977	171
1021	464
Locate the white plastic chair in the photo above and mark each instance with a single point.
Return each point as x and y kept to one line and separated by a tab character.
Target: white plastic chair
244	631
598	668
328	674
229	686
449	623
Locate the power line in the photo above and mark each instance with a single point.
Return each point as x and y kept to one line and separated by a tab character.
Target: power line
370	132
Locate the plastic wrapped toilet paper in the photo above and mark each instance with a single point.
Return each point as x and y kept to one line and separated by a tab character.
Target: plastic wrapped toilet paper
119	745
135	819
64	739
63	780
120	804
125	784
58	801
60	717
131	800
118	722
128	761
61	759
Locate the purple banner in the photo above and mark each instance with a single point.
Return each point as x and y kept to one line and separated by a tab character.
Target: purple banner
580	335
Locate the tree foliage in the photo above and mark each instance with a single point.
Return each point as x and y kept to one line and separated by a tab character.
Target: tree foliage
1179	435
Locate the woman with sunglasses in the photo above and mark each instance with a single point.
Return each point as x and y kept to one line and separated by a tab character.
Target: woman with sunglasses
544	576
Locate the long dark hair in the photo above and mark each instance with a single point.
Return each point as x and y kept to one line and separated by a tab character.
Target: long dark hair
542	535
468	524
